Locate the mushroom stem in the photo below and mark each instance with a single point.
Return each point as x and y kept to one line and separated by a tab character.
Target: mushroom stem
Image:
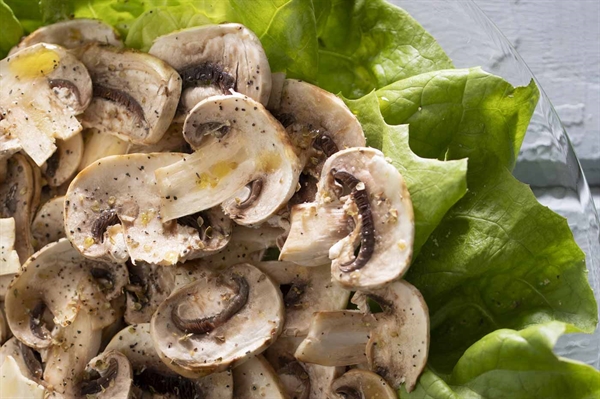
207	324
102	382
255	190
367	231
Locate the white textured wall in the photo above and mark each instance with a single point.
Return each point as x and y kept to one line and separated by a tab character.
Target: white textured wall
559	40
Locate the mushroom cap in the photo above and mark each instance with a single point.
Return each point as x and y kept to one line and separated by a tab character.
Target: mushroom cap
135	94
42	88
365	383
113	377
215	58
398	348
42	286
256	379
314	229
389	235
72	34
114	204
149	372
19	196
336	338
98	145
310	290
63	164
48	224
237	144
229	341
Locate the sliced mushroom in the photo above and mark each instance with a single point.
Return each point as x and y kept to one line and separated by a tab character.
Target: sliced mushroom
9	144
9	259
43	294
218	322
42	88
27	360
4	330
48	224
318	123
337	338
306	290
63	164
72	34
359	384
214	59
155	379
314	229
135	94
171	141
397	349
277	82
243	160
256	379
98	145
301	380
121	191
20	372
19	196
107	376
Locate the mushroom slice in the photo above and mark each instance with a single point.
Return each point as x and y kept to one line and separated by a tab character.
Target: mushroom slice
358	384
397	349
42	88
336	338
171	141
149	286
27	360
48	224
306	290
72	34
135	94
9	259
315	228
63	164
218	322
4	330
107	376
318	123
98	145
121	191
256	379
214	59
382	210
20	372
243	159
59	282
154	378
19	196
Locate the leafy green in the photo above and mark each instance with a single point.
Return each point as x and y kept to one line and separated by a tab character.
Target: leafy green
461	113
434	186
513	364
11	30
28	12
365	45
56	10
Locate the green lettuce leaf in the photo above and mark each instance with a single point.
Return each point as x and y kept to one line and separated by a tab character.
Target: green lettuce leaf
434	186
28	13
513	364
11	30
364	45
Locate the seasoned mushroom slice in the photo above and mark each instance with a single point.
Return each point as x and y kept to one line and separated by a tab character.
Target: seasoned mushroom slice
135	94
122	191
98	145
214	59
397	349
19	196
256	379
336	338
358	384
306	290
243	159
318	122
20	372
63	164
72	34
171	141
27	360
42	88
218	322
60	283
155	380
4	330
107	376
9	259
314	229
48	225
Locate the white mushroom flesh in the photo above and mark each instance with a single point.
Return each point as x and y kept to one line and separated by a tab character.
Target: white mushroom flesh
48	224
14	385
63	164
9	259
109	377
98	145
358	383
256	379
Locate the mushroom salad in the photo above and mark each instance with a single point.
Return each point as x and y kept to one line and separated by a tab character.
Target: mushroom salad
183	223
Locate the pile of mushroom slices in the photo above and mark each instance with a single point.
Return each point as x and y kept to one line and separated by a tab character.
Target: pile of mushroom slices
186	224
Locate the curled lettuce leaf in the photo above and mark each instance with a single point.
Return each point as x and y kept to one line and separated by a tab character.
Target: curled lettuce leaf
11	30
512	364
